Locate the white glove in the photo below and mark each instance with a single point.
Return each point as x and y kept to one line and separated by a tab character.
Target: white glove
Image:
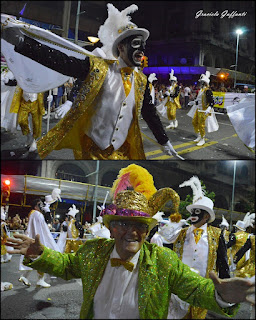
191	103
168	149
63	109
167	93
50	98
208	110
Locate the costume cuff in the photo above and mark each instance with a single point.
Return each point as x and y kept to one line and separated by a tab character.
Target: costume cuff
221	302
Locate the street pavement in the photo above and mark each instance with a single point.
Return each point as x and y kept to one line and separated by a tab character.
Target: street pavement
223	144
62	300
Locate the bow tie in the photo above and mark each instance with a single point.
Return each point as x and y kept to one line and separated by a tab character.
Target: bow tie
126	77
115	262
197	234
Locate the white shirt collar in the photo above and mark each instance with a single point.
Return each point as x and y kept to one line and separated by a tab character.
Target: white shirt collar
134	259
203	227
122	64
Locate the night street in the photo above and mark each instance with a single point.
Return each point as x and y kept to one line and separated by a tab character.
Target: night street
61	301
223	144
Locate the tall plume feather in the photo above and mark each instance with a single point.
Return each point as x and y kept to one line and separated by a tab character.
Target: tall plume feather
207	73
135	177
196	187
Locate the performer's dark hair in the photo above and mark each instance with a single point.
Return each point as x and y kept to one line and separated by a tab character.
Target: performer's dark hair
35	201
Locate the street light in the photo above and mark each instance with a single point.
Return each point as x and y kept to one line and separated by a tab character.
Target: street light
238	32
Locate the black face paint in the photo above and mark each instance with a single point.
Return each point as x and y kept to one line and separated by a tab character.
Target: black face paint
135	49
197	215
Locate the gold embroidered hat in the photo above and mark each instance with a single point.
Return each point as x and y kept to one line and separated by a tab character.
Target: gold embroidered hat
136	198
117	27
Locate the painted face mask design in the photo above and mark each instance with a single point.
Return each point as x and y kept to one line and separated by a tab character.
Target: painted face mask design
135	49
197	215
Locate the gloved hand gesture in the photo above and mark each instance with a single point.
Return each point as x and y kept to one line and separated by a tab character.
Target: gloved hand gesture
191	103
63	109
208	110
12	35
50	98
169	150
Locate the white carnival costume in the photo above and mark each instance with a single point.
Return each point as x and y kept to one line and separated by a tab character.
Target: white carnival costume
202	111
37	225
8	119
167	108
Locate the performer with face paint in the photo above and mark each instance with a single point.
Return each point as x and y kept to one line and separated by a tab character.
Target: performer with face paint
103	122
37	224
197	246
202	111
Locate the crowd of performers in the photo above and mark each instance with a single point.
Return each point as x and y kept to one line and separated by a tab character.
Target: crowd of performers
198	244
111	92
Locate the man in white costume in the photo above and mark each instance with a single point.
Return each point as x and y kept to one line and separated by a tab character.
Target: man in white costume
38	225
202	111
104	121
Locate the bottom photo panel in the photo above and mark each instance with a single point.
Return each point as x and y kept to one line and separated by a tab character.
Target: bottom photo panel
128	239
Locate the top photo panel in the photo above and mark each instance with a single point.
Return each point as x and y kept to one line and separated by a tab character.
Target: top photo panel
128	80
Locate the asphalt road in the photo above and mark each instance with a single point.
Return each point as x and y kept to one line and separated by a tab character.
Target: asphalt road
61	301
223	144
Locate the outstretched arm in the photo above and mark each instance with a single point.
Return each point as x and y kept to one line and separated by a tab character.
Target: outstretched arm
149	114
233	290
45	55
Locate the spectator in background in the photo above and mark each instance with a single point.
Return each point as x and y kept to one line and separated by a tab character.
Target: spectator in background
16	222
187	93
56	225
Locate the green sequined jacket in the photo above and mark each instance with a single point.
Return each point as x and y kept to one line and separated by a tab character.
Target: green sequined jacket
160	273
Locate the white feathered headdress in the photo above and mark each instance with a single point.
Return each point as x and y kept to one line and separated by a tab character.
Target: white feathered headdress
49	199
172	77
205	77
199	199
72	211
224	222
117	27
195	184
152	77
249	220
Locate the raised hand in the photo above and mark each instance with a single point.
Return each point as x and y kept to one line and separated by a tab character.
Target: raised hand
63	109
234	290
24	245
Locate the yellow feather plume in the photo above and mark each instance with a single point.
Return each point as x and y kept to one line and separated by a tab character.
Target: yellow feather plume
136	177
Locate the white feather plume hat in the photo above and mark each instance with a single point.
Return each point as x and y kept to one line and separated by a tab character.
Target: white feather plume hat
72	211
49	199
199	199
205	77
152	77
117	27
172	77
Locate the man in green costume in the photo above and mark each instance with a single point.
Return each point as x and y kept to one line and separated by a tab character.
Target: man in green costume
125	276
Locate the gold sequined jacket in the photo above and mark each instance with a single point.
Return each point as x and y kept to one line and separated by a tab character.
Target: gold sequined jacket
160	273
67	133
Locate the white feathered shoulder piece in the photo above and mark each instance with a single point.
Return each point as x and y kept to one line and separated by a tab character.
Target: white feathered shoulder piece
196	187
115	20
249	219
